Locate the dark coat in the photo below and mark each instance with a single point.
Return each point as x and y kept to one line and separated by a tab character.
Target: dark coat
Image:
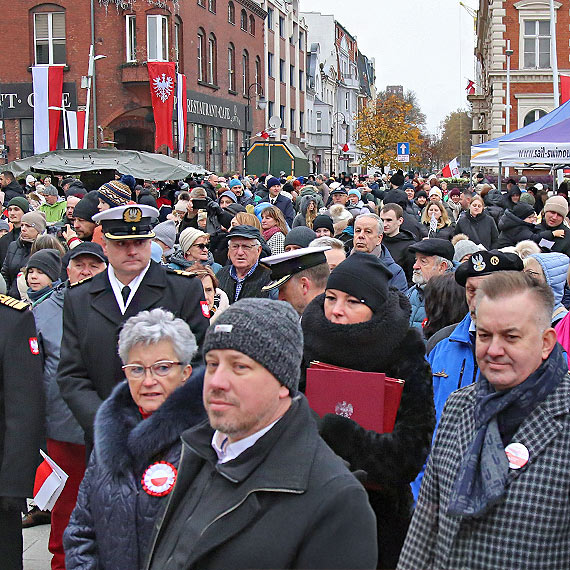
286	206
445	232
21	400
112	522
251	286
398	247
90	367
561	245
16	257
145	197
286	502
13	190
386	344
216	218
513	229
480	230
6	240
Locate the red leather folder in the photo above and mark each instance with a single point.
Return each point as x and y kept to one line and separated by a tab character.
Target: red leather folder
371	399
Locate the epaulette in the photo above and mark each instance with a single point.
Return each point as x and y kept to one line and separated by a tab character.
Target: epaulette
180	272
79	282
13	303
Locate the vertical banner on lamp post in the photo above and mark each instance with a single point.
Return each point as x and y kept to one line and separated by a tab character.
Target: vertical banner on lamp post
182	111
161	76
48	88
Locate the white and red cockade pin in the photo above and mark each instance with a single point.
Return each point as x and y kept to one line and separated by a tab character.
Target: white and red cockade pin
517	454
159	478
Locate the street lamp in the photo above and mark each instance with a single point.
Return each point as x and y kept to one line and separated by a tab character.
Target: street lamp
86	83
334	118
261	104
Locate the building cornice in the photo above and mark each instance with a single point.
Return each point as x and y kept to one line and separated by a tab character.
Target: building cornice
254	7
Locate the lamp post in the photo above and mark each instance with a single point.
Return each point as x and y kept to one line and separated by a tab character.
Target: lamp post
261	104
509	52
334	117
88	80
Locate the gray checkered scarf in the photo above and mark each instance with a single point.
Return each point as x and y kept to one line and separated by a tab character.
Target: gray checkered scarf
482	476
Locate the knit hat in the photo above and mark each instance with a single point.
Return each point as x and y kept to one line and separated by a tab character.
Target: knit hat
397	179
4	225
527	198
46	260
522	210
363	276
454	192
181	205
49	190
267	331
301	236
423	194
21	203
86	208
355	192
323	221
115	193
128	181
235	182
166	233
188	237
229	194
30	179
465	247
35	219
272	182
557	204
435	191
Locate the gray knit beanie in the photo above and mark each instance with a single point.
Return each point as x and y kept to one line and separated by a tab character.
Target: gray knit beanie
464	247
267	331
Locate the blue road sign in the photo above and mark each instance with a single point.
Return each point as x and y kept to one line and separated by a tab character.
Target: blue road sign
403	148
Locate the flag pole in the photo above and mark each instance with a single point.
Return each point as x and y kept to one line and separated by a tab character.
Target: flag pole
554	56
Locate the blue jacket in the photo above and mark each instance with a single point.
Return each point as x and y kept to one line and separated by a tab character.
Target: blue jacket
555	267
416	298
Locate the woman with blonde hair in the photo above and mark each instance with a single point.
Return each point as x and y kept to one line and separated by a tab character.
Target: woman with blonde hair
444	229
478	225
246	219
274	229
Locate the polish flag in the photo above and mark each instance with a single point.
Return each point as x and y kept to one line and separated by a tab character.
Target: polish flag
49	483
450	170
74	127
181	109
48	88
564	88
161	75
470	87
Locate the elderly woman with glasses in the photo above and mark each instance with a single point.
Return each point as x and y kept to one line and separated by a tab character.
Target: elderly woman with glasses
133	467
194	249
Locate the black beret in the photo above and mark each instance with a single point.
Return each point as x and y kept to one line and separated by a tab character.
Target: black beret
522	210
434	246
487	262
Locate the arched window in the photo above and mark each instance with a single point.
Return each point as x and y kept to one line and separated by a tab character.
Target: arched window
231	67
252	25
231	13
243	20
258	70
212	60
212	6
245	71
532	116
201	53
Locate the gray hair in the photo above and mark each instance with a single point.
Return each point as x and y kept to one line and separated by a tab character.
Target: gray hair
374	217
439	260
326	240
150	327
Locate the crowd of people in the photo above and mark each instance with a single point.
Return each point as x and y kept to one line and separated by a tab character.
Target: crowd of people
166	331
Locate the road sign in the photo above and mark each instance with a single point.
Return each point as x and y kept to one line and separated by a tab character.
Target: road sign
403	152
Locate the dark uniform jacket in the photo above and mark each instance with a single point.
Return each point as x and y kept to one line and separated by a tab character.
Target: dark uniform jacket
90	367
286	502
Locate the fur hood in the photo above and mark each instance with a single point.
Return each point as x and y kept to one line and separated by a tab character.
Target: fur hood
124	442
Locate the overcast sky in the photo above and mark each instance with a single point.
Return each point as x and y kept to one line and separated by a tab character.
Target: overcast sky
424	45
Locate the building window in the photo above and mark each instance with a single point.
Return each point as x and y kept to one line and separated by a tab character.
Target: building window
231	67
537	44
281	26
282	70
533	116
201	47
269	18
212	6
258	70
200	144
252	25
26	137
292	119
212	61
319	121
301	40
245	72
270	64
202	3
157	38
292	75
131	37
302	121
282	114
301	79
270	108
243	20
49	37
232	149
216	149
346	102
231	13
177	41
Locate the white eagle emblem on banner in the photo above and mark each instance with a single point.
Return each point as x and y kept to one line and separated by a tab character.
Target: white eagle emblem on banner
163	86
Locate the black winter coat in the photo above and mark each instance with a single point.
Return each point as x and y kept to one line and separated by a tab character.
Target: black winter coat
480	230
13	190
16	257
561	245
5	242
398	247
251	286
113	519
392	461
513	229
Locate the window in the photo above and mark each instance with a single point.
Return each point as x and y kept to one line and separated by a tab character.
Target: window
49	32
212	60
270	64
157	38
282	70
301	79
200	144
301	40
282	26
270	108
319	121
258	70
252	25
292	75
202	3
269	18
532	116
292	119
216	149
26	137
177	42
231	13
131	37
245	72
537	44
282	114
232	149
346	101
243	20
231	67
201	47
212	6
302	121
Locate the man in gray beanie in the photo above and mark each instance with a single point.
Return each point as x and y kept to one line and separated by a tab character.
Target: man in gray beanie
283	499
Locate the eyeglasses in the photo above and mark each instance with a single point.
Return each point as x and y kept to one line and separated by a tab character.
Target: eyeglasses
237	246
201	245
161	368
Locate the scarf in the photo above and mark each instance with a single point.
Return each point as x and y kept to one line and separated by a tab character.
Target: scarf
482	476
268	234
36	297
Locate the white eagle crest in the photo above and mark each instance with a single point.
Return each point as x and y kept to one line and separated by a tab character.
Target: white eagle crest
163	86
344	409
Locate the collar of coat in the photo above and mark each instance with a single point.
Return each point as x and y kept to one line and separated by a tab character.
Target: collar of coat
123	441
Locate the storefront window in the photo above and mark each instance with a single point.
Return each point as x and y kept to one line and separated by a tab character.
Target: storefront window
216	149
200	145
232	150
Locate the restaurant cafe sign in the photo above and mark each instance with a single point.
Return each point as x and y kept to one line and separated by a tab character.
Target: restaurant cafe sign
17	99
205	110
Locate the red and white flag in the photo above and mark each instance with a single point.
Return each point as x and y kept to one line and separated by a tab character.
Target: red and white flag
48	87
73	127
470	87
161	75
182	109
49	483
564	88
450	170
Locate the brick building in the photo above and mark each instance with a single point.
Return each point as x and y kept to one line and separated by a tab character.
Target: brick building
218	44
523	25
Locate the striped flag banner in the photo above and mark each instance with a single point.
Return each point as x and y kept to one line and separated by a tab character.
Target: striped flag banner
48	88
182	110
74	126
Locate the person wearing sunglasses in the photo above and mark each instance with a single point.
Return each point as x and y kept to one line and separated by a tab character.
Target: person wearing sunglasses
137	447
194	249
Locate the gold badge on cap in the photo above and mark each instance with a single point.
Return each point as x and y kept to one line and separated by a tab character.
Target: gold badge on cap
132	215
494	260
